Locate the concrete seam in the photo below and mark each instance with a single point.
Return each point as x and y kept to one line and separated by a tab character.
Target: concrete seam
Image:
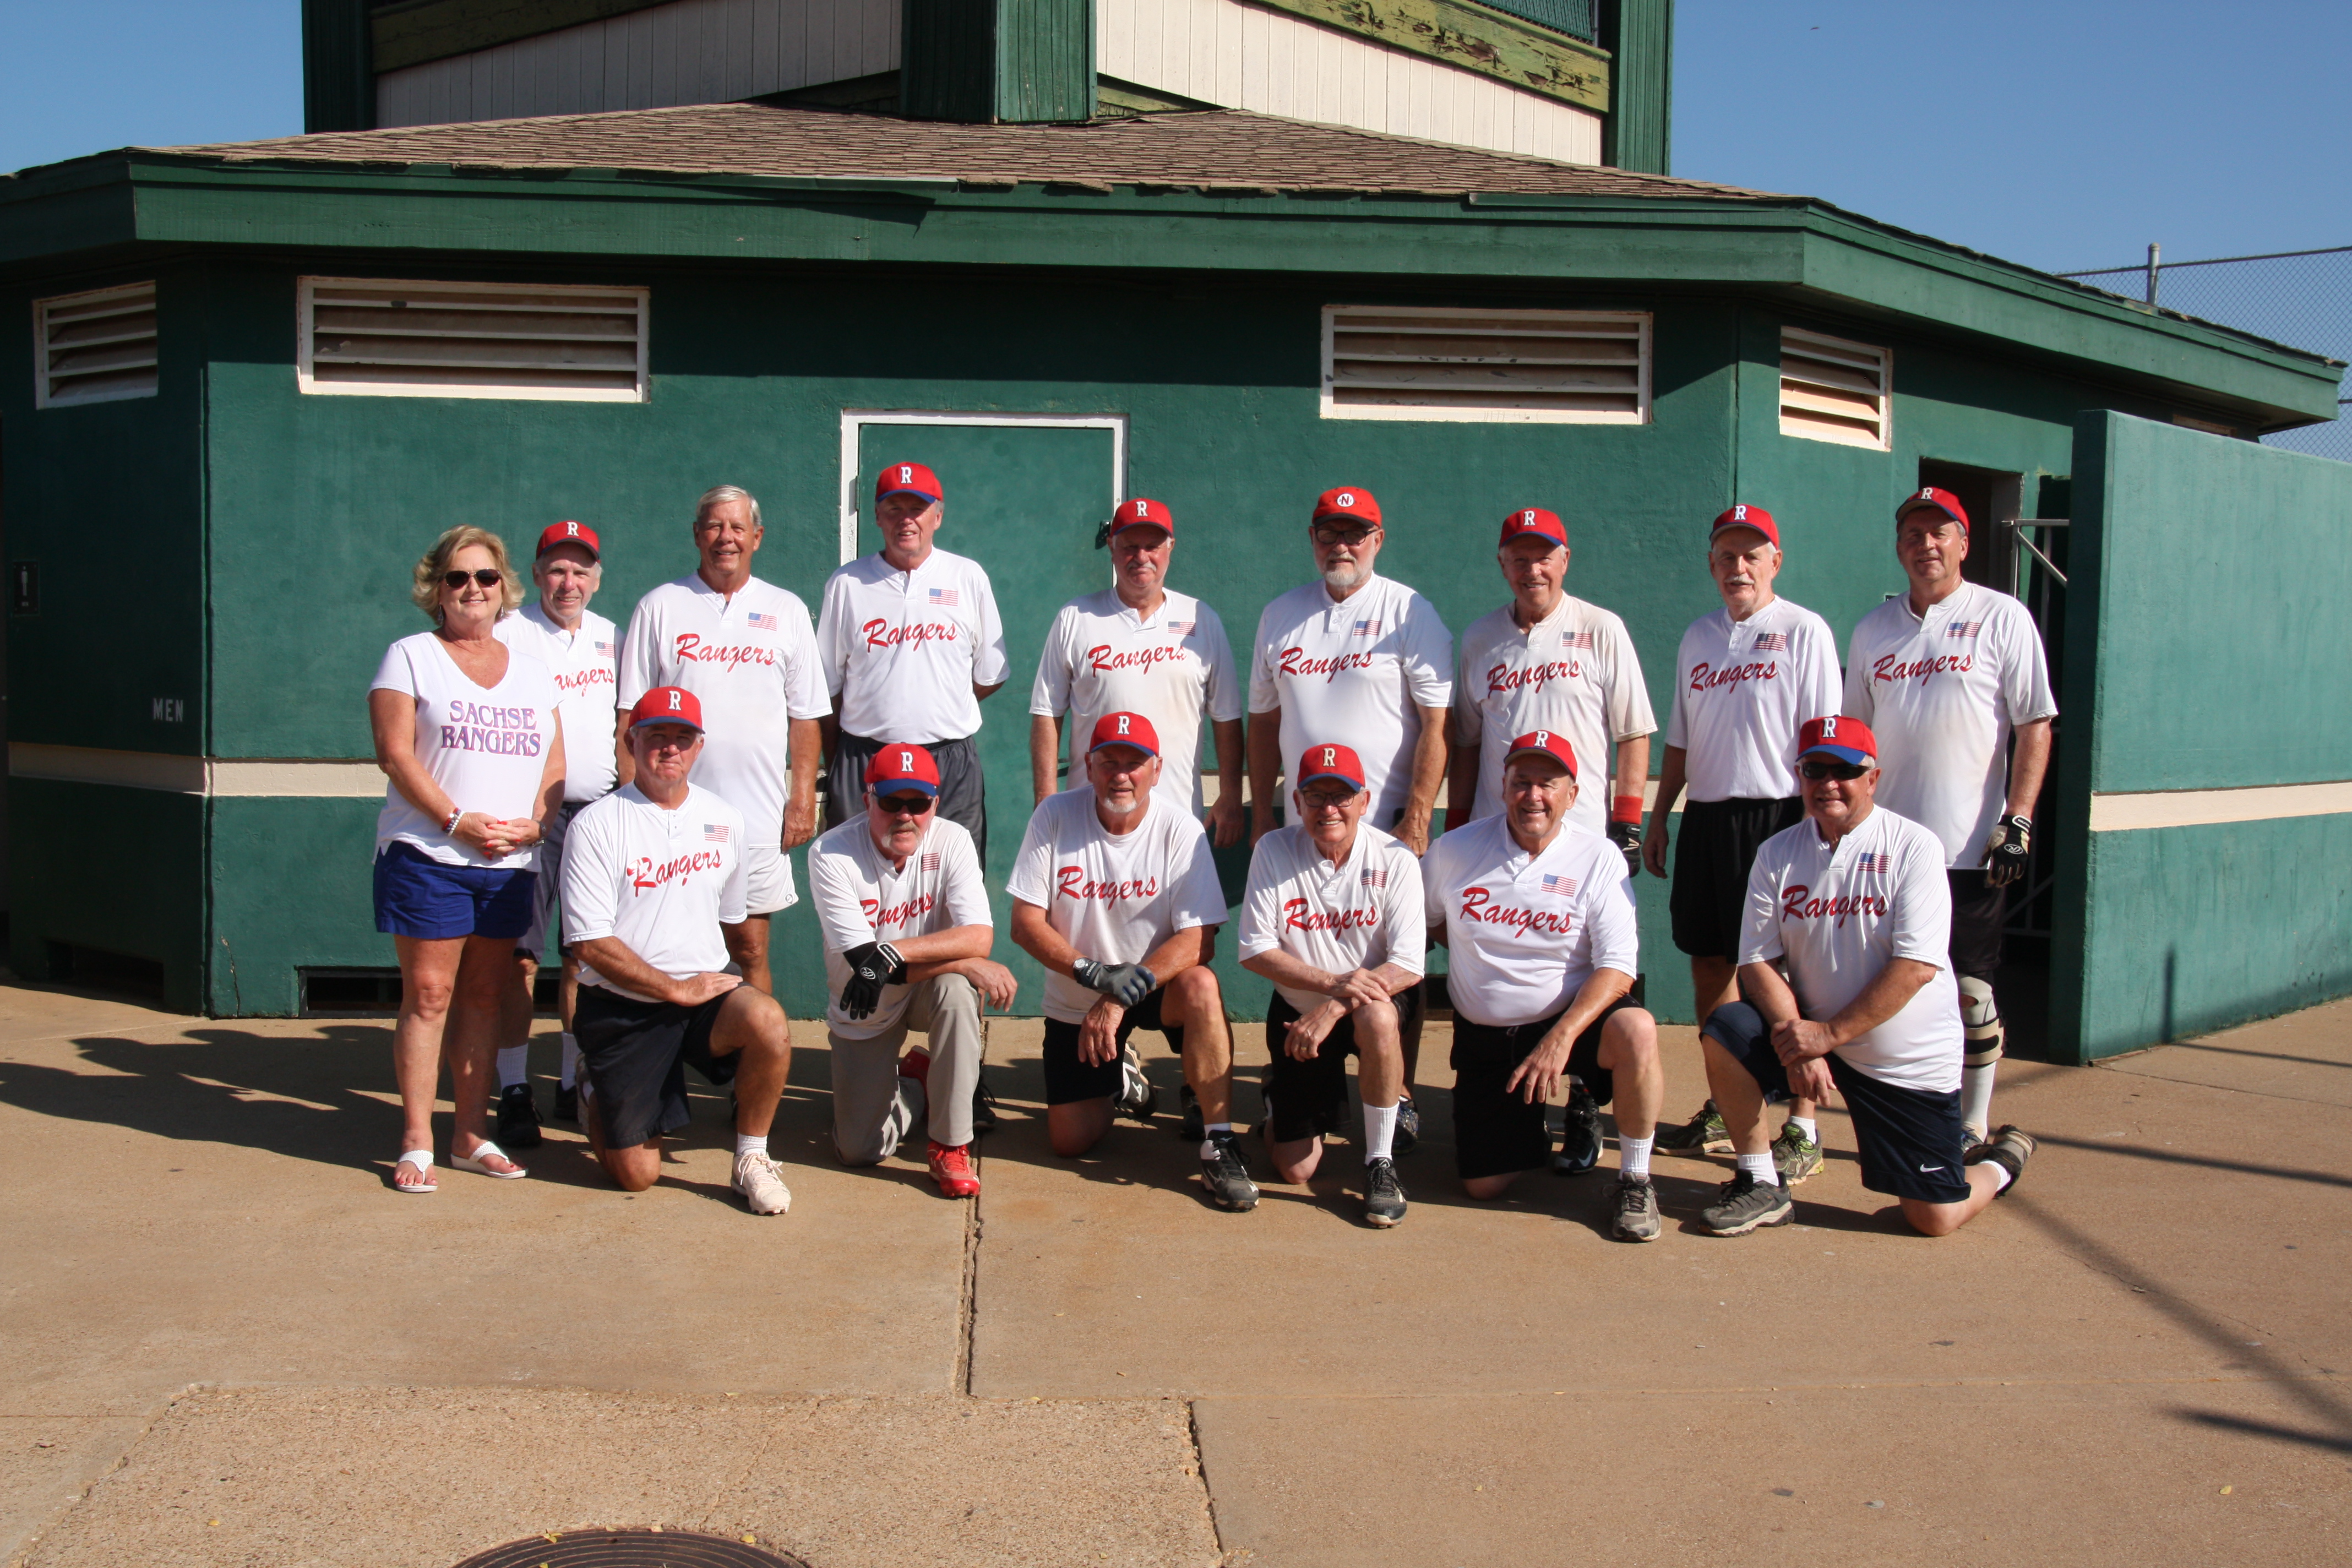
1201	1470
24	1552
2220	1087
968	1308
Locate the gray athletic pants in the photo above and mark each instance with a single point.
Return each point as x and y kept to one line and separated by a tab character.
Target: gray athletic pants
874	1109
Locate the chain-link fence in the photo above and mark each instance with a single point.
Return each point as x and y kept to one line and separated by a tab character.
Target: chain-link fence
2299	297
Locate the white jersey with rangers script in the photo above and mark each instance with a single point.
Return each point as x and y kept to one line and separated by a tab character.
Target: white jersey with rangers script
903	651
660	882
586	664
485	746
1526	931
1941	692
1172	666
1741	690
1358	912
1837	914
862	896
1354	670
750	658
1573	673
1113	899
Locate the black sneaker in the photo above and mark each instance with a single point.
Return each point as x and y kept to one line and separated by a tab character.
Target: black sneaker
1225	1175
518	1119
1702	1134
1408	1127
1383	1198
1136	1097
2010	1148
1580	1138
567	1103
1637	1210
1195	1127
983	1106
1744	1204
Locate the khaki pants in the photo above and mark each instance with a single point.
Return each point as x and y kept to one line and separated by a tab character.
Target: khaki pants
874	1109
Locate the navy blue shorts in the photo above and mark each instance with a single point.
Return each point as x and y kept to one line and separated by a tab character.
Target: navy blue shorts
417	896
1909	1139
1070	1080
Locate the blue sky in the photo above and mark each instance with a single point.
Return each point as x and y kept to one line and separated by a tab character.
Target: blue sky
2063	133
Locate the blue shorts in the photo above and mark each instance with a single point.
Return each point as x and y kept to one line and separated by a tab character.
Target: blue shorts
417	896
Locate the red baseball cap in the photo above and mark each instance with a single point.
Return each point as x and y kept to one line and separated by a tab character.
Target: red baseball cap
1542	744
1320	762
1535	519
1847	740
1739	515
1143	513
908	479
578	534
901	765
668	705
1348	502
1125	730
1944	502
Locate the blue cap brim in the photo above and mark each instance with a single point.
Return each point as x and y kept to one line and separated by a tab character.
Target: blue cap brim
1850	754
925	496
1130	745
1355	786
667	719
893	786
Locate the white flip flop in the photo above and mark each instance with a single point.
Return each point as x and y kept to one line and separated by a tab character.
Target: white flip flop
473	1162
423	1160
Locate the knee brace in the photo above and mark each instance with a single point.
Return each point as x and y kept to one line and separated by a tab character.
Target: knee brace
1980	1020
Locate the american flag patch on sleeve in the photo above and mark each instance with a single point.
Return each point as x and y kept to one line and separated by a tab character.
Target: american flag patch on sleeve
762	621
1771	642
1564	886
1964	628
1365	629
714	833
1180	628
1881	862
946	598
1576	639
1374	876
606	649
930	860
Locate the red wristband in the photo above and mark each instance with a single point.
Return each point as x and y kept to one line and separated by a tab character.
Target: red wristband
1625	808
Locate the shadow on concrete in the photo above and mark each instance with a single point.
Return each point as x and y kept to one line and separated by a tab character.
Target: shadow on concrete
2167	1157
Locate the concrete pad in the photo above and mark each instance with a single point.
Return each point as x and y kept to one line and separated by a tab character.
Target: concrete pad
423	1478
2130	1474
2303	1055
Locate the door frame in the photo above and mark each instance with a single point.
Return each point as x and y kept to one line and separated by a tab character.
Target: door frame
854	422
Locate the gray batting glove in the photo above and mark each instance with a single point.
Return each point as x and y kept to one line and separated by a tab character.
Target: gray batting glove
1125	983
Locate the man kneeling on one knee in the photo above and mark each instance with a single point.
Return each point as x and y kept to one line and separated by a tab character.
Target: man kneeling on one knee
1114	891
904	907
1853	901
653	894
1540	919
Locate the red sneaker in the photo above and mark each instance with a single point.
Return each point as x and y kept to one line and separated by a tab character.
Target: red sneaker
916	1065
951	1169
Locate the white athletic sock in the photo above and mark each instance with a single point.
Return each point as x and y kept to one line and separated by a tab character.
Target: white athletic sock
2001	1178
1976	1097
751	1143
1209	1143
1633	1155
514	1065
1760	1167
1804	1124
570	1061
1379	1132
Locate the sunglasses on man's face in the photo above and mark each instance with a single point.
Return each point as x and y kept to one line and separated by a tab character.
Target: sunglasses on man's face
906	804
1817	770
1325	535
489	577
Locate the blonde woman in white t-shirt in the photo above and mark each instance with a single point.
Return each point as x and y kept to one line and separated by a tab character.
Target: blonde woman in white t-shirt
466	730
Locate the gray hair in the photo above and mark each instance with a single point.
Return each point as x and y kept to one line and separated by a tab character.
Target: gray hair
718	494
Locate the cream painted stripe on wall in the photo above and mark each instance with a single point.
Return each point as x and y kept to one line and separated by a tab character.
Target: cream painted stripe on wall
229	776
2204	808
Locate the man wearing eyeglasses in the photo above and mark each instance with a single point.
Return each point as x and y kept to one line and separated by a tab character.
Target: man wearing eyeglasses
1953	673
903	905
1853	903
1333	917
746	649
656	887
1114	891
1358	656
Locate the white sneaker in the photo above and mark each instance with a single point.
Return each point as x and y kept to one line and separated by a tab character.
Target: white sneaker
762	1182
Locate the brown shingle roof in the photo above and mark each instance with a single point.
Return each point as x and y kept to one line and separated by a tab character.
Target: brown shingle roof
1228	148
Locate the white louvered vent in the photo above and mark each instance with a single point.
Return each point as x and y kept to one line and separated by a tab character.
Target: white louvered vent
388	338
1831	390
94	347
1570	367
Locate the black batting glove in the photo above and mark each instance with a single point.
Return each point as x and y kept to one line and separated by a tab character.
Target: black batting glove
1125	983
1627	837
2007	849
872	965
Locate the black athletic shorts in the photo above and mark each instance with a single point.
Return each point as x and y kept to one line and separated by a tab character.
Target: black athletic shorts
1305	1098
1909	1139
963	799
1980	911
1495	1132
1714	848
1068	1080
635	1055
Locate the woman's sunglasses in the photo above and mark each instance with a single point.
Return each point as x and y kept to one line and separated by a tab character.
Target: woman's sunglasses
489	577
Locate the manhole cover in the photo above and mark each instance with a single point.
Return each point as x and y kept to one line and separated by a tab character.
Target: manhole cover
630	1548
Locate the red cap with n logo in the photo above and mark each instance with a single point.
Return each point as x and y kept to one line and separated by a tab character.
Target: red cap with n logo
1337	763
668	705
1348	502
903	765
1125	730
